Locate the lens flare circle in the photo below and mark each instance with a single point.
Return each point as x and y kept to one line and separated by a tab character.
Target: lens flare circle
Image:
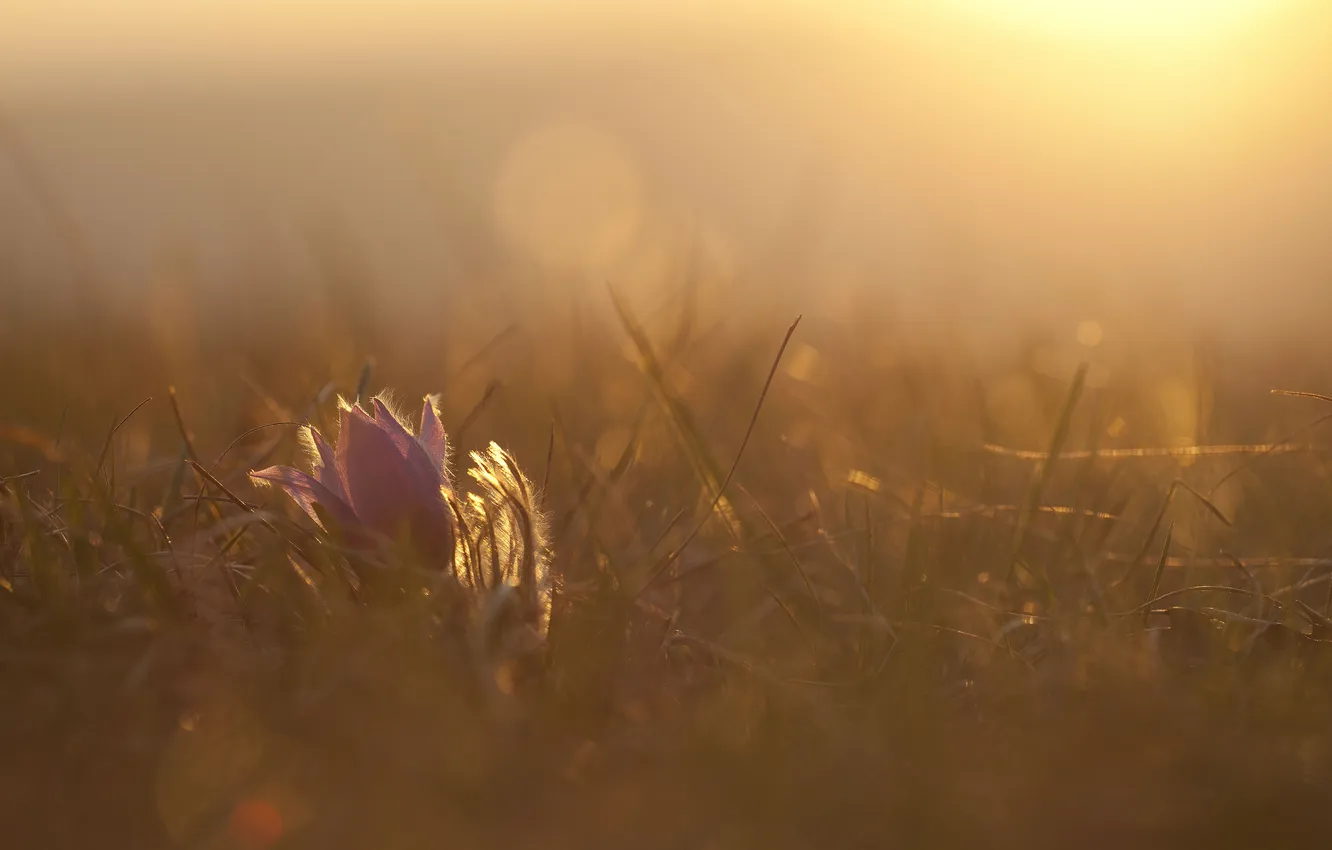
255	824
569	194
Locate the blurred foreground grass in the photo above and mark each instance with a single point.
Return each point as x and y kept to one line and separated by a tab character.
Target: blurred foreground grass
904	625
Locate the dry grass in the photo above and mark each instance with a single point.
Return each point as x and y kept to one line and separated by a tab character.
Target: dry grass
881	610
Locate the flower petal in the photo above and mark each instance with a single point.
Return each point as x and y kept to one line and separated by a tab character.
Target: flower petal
307	492
378	486
418	463
384	490
327	471
340	450
434	440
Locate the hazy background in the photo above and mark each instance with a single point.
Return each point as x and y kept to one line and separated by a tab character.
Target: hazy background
1164	163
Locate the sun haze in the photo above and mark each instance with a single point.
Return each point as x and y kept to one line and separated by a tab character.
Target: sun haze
1171	155
843	423
1126	22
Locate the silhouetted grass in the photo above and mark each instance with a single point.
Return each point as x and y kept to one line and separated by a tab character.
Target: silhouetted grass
827	645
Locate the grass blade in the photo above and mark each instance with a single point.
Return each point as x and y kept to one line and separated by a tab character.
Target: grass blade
705	466
1160	572
1041	478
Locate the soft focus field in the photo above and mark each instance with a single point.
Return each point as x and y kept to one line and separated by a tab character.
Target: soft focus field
907	627
1009	543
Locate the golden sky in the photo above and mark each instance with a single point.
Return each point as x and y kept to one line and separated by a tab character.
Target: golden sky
64	39
1168	145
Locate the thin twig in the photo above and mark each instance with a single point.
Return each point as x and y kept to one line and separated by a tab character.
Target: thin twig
1302	394
254	430
106	448
721	490
1160	570
180	425
1156	452
491	389
550	457
786	545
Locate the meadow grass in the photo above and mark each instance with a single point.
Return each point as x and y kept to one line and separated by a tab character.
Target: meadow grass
840	588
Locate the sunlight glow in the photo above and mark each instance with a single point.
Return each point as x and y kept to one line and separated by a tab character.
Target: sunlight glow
255	824
570	194
1089	333
1123	21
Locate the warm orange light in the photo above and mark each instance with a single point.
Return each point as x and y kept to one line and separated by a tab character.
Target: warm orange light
1123	21
255	824
1089	333
569	194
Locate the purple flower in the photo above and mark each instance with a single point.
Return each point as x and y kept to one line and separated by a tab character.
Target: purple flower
381	481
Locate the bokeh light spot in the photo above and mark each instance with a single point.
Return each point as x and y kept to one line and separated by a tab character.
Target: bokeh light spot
803	364
212	749
1029	613
504	679
255	824
863	480
570	195
1089	333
